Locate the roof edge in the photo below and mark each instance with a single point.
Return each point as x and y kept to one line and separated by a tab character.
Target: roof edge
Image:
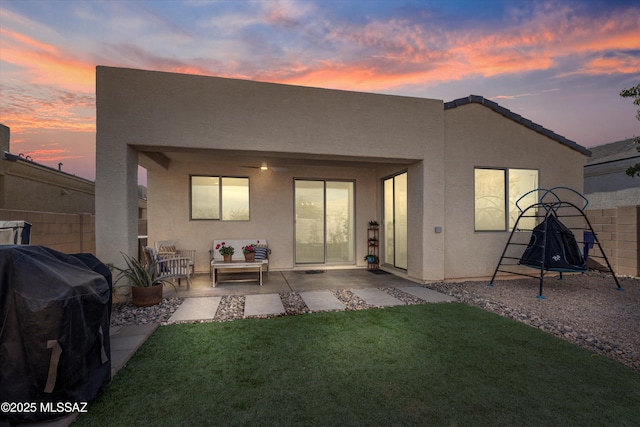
17	158
477	99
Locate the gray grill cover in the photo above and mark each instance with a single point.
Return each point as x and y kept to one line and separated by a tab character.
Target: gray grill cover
55	311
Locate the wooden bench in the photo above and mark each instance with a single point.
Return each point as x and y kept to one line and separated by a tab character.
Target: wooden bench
236	265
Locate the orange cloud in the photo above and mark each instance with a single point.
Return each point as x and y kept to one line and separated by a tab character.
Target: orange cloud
388	54
43	107
46	64
611	65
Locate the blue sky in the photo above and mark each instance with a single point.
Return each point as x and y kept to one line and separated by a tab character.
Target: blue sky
559	63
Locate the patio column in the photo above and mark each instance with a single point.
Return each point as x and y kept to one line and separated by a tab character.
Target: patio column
116	200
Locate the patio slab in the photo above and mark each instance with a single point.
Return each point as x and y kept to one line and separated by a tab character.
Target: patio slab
202	308
374	296
321	301
202	286
316	280
428	295
265	304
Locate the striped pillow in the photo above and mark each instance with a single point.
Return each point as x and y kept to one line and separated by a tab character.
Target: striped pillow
261	253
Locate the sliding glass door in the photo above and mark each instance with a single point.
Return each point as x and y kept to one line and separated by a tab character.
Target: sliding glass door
395	221
324	218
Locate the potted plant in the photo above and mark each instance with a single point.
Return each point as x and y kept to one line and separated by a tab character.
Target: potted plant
249	252
373	224
371	258
144	280
225	251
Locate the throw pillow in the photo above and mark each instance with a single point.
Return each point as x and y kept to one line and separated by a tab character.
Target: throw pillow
261	253
167	250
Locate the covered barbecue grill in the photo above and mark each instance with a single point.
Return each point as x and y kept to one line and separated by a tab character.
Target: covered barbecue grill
54	328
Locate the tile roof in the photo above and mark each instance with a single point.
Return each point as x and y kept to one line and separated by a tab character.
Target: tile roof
516	118
614	151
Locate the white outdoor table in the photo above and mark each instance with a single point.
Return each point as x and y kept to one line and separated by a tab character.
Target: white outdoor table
236	265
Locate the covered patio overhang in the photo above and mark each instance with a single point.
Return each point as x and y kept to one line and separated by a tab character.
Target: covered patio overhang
271	187
161	157
177	126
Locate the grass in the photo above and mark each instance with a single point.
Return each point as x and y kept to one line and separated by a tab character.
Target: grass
442	364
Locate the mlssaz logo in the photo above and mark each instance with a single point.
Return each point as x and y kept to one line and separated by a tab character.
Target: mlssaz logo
556	258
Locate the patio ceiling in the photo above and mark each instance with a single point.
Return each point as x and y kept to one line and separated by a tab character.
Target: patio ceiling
164	155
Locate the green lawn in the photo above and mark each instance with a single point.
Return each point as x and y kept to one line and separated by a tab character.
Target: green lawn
440	364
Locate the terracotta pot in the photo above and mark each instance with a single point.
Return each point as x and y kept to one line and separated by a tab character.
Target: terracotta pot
250	256
146	297
227	258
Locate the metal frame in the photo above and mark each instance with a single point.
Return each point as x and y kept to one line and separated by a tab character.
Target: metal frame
553	205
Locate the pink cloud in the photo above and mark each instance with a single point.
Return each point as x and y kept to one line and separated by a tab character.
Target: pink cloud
44	63
393	53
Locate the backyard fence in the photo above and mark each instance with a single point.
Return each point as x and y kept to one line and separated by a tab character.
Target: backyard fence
618	230
68	233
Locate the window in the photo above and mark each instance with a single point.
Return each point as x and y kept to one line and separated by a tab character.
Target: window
221	198
496	193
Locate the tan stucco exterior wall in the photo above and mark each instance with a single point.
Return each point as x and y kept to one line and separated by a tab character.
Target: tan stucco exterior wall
26	185
271	208
210	125
29	187
142	110
476	136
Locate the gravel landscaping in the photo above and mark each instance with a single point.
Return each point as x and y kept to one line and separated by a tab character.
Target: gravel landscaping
585	309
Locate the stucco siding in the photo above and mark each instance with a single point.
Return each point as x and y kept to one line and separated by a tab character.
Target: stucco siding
271	208
477	136
147	108
27	187
178	125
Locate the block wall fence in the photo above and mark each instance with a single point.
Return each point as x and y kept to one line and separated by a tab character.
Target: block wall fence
618	230
68	233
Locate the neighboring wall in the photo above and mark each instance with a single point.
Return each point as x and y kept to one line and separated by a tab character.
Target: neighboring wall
27	185
606	183
68	233
618	231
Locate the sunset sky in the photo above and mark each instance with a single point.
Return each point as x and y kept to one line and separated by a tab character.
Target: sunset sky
559	63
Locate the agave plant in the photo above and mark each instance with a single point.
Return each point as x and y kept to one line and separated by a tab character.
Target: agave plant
140	275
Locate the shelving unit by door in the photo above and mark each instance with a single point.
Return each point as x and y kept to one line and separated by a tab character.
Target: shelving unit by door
373	246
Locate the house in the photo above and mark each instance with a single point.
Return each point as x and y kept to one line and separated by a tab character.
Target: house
606	184
441	178
29	185
614	203
58	205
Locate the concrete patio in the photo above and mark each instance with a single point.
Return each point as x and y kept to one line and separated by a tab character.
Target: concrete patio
288	281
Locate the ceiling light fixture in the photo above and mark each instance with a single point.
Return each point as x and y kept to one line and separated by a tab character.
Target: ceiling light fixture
263	166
